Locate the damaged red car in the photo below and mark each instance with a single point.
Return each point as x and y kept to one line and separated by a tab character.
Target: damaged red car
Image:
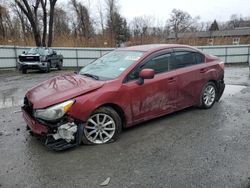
123	88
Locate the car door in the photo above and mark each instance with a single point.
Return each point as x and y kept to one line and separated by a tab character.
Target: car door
190	67
156	96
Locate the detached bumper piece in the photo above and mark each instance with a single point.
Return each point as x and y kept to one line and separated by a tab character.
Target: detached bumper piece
62	144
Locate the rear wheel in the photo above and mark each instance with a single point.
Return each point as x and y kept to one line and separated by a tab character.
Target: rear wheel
103	126
208	95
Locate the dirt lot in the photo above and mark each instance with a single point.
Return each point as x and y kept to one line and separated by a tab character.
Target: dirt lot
191	148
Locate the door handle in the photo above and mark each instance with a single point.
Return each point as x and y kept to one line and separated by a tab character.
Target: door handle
202	70
171	80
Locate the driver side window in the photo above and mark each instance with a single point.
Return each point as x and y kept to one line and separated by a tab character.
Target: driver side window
159	63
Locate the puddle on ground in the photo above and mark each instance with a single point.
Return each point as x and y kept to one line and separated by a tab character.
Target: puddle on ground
232	90
10	102
11	98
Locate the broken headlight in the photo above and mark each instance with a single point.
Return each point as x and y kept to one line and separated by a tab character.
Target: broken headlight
54	112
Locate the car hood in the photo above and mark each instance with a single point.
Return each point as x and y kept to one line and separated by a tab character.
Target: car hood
61	88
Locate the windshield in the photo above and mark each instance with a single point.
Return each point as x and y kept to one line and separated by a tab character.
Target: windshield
40	51
111	65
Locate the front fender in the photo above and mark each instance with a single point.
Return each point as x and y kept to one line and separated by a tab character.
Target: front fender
86	104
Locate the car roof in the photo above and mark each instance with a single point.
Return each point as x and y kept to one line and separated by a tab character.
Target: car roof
153	47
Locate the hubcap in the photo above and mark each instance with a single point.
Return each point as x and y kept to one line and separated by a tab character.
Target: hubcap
100	128
209	95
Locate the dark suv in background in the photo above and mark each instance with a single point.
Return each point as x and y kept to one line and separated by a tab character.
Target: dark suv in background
40	59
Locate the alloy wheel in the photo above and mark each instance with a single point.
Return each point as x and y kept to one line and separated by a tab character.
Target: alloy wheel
100	128
209	95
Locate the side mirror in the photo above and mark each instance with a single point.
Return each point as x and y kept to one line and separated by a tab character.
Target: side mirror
23	52
145	74
54	52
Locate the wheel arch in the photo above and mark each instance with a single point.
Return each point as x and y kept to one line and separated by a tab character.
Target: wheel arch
214	81
216	84
119	110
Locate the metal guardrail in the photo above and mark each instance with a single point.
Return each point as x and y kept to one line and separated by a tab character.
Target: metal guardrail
73	57
229	53
78	57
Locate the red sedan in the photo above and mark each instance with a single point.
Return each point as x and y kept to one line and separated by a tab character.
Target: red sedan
123	88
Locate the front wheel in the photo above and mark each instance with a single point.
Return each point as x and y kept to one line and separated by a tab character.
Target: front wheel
24	71
48	67
103	126
208	95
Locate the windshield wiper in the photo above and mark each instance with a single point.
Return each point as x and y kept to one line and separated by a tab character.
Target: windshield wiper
91	75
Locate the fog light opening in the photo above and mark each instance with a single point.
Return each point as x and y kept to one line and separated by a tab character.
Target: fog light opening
66	131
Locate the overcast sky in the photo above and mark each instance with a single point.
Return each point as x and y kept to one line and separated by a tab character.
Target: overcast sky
208	10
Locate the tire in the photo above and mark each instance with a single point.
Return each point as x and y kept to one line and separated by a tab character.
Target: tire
208	95
24	71
60	65
98	133
48	67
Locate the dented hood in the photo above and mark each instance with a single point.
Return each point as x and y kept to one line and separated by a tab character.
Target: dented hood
61	88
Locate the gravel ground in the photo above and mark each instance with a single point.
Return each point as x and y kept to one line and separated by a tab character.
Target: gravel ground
190	148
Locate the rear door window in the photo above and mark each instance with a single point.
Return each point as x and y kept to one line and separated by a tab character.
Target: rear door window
200	58
186	58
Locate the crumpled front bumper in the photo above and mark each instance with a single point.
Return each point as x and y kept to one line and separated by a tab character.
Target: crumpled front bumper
45	134
34	125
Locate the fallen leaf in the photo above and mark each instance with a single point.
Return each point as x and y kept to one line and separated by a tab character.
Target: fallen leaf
106	182
18	111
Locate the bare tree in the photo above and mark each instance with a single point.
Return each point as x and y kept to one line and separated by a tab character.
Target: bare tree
32	17
179	21
84	24
101	16
3	18
30	10
234	21
203	26
26	30
112	10
61	23
44	8
51	20
140	26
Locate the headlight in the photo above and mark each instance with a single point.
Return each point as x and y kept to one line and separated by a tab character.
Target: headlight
42	58
54	112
